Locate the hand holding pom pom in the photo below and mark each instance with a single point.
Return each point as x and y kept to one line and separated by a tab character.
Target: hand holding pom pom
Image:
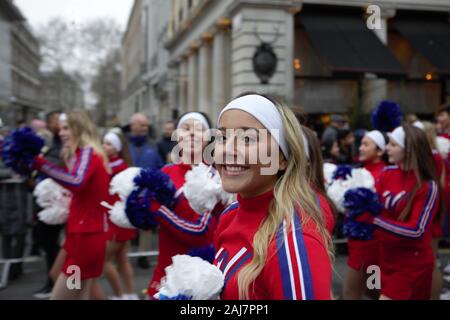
360	200
150	185
55	201
191	278
20	148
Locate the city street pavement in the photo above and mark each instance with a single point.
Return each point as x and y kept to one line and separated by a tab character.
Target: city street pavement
34	277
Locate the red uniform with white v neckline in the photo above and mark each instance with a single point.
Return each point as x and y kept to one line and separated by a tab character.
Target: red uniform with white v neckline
297	266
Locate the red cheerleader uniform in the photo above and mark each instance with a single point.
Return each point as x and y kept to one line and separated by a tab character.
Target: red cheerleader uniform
364	253
116	233
181	228
436	226
297	265
406	257
86	177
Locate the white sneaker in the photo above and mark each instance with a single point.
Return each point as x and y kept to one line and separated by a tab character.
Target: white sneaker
130	296
447	268
445	295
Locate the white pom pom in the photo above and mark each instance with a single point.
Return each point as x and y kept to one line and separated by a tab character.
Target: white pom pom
361	178
117	214
191	277
122	183
443	145
203	189
336	193
328	170
55	201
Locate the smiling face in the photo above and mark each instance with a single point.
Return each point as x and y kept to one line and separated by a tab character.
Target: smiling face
241	141
368	151
395	152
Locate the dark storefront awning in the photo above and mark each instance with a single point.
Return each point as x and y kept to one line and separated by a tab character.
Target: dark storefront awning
348	46
431	38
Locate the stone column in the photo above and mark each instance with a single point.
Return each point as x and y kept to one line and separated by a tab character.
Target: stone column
192	91
221	62
182	85
204	74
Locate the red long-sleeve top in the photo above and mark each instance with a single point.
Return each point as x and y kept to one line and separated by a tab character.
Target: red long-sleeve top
88	180
297	265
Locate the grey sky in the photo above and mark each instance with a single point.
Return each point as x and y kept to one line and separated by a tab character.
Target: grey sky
77	11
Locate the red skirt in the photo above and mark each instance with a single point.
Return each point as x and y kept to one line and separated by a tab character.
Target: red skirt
363	253
118	234
407	275
86	253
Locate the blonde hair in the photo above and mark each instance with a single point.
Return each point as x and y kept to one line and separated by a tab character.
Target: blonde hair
291	190
430	132
84	134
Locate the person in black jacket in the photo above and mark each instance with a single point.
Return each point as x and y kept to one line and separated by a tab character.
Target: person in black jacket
165	145
47	236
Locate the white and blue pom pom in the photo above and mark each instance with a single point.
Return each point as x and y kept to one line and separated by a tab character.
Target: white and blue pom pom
360	178
117	214
191	278
203	189
54	200
123	184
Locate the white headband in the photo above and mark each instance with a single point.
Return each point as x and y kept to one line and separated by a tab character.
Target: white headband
193	116
265	112
114	139
63	117
377	137
419	125
398	135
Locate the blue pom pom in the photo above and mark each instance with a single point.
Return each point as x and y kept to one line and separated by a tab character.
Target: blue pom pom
20	148
206	253
387	116
178	297
342	172
360	200
151	184
158	184
358	230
